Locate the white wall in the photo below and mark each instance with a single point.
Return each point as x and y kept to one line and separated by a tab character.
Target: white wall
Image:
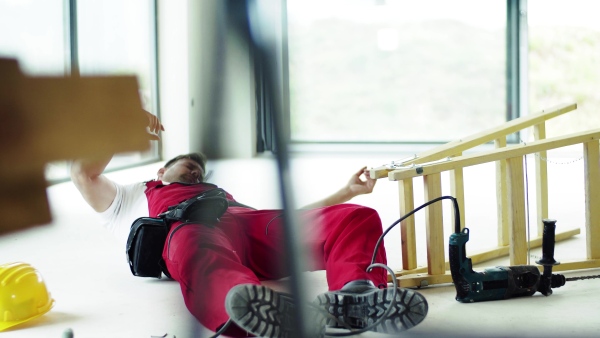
173	76
185	50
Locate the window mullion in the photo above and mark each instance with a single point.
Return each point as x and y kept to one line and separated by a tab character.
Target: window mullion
71	39
513	63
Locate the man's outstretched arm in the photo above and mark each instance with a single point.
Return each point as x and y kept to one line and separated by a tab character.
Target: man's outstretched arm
97	190
355	186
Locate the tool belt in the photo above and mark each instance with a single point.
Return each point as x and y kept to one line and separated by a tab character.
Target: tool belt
205	208
148	235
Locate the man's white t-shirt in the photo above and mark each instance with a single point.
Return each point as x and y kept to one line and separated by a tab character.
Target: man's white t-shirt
129	204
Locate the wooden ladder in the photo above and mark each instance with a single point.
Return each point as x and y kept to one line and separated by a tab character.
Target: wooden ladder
510	192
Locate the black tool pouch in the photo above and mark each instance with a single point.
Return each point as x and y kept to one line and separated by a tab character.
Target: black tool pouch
148	235
145	246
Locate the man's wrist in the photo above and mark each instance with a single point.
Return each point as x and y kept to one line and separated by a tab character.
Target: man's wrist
345	194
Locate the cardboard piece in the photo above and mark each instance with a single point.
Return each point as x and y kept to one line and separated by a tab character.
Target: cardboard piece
46	119
24	203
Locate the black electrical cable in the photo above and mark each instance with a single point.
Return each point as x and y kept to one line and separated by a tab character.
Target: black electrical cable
456	220
222	329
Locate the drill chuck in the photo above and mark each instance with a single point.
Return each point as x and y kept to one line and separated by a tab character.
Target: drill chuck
557	281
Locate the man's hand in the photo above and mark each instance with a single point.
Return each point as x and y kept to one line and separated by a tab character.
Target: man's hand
357	186
98	191
154	126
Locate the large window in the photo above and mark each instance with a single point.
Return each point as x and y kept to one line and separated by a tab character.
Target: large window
436	70
96	37
34	33
564	61
395	70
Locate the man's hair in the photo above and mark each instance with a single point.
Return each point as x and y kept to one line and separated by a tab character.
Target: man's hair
196	157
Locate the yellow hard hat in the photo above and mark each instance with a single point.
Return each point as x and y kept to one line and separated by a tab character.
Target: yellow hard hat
23	294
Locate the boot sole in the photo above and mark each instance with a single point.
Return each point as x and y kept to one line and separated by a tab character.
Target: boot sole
262	311
362	310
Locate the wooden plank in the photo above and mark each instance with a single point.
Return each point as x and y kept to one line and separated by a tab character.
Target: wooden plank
379	172
492	134
516	216
592	198
500	251
434	225
558	236
66	118
479	257
407	227
489	135
577	265
48	119
541	179
382	171
497	154
501	196
423	280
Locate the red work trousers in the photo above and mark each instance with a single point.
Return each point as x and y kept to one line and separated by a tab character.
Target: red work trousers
247	246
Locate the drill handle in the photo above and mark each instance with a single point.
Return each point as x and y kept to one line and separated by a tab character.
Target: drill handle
461	267
549	280
548	241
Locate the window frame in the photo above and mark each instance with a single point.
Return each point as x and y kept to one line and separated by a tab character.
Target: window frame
515	104
72	69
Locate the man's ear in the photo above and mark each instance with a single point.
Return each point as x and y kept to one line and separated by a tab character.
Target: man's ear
160	173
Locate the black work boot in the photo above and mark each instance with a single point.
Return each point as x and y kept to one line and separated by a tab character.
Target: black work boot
267	313
360	304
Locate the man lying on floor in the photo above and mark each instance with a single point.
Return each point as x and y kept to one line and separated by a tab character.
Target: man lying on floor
220	266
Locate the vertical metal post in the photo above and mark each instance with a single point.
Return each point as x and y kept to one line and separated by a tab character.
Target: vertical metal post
512	63
154	26
73	67
237	17
264	46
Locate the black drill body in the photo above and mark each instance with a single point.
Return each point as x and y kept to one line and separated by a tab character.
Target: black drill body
501	282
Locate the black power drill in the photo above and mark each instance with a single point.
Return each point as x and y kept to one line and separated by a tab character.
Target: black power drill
502	282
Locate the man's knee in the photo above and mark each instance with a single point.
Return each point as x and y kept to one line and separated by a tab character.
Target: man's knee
368	217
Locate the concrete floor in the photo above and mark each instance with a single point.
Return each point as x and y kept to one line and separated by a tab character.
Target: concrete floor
96	296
